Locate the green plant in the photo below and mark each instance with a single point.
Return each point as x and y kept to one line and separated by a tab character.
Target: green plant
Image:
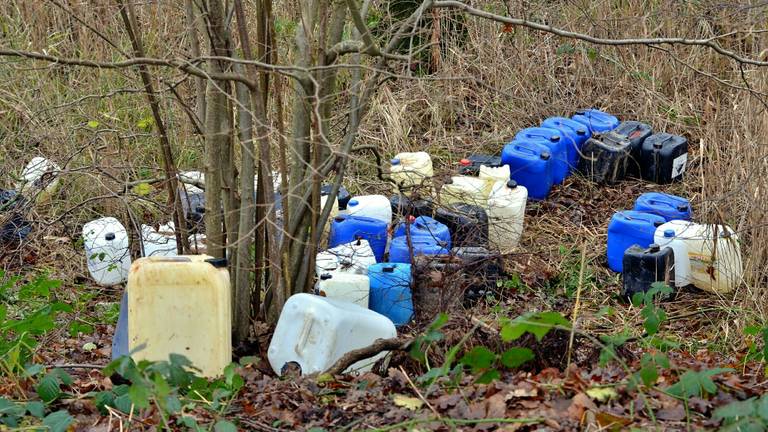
48	389
744	416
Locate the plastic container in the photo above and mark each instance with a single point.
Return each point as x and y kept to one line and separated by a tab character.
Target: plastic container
198	243
467	223
495	174
349	287
353	257
506	213
181	305
645	266
315	332
465	189
342	197
595	120
530	165
193	203
670	207
411	170
39	179
605	157
374	206
713	254
403	206
470	166
391	293
627	228
13	225
425	226
636	132
400	253
556	145
482	269
664	158
346	229
156	244
574	134
107	251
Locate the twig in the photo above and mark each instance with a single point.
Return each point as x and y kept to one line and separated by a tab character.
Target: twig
77	366
354	356
577	304
418	393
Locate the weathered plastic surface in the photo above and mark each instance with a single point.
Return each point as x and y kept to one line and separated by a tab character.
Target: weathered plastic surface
506	213
346	229
636	132
374	206
315	332
425	226
467	223
495	174
411	170
342	197
39	179
14	225
181	305
470	166
714	254
105	241
574	133
466	189
556	145
404	206
605	158
665	236
595	120
391	293
352	257
156	244
349	287
627	228
645	266
670	207
530	165
400	253
664	158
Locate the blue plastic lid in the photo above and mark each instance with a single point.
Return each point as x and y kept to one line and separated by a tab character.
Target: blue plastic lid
353	202
669	233
395	161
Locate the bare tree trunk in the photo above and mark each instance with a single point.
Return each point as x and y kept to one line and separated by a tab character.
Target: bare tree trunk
194	46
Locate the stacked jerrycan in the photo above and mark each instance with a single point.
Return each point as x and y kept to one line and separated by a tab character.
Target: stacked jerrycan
574	134
627	228
465	189
39	180
411	171
470	166
352	257
556	145
106	250
427	237
663	158
391	291
348	228
160	242
373	206
506	212
531	166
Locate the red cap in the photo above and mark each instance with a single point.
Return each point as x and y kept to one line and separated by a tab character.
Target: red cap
465	162
411	218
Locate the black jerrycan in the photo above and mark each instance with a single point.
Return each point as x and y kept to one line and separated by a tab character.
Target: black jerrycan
403	206
664	158
482	269
636	132
470	166
467	223
643	267
604	157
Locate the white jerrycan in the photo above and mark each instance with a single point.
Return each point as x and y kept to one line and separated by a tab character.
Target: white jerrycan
315	332
495	174
506	214
181	305
409	170
466	189
157	244
374	206
106	250
353	257
666	235
40	179
349	287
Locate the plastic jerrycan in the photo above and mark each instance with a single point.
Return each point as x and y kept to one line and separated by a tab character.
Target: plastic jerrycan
530	166
636	132
314	332
466	189
411	170
399	252
467	223
664	158
595	120
670	207
644	266
557	147
181	305
425	226
470	166
352	257
349	287
342	197
374	206
39	179
404	206
156	244
500	173
574	133
391	293
666	237
348	228
106	250
193	204
506	213
714	255
627	228
13	225
605	157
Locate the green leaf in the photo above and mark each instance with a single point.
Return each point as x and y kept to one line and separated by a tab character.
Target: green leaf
58	421
479	358
104	399
63	376
591	54
48	388
762	407
36	409
139	395
224	426
693	383
142	189
124	403
736	409
93	124
565	48
536	323
515	357
172	404
488	377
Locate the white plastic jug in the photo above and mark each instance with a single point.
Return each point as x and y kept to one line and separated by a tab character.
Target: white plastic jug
350	287
192	177
501	173
465	189
198	244
315	332
181	305
106	250
713	253
157	244
506	213
409	170
40	179
666	236
353	257
373	206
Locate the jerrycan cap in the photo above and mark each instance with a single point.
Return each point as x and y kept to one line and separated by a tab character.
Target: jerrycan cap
339	218
395	161
658	145
654	247
465	162
669	233
388	269
545	155
109	236
511	184
411	218
200	209
581	131
217	262
326	276
353	202
682	207
554	138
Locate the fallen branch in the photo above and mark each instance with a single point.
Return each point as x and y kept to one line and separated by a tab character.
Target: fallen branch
379	346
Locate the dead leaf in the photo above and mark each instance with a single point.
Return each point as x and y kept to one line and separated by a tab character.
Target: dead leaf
674	413
412	403
602	394
579	405
610	421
